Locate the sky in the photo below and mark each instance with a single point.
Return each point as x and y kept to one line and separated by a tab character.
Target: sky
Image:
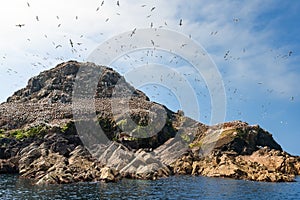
254	45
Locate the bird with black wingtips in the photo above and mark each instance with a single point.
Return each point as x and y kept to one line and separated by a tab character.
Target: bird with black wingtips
71	43
236	20
133	32
20	25
226	54
152	42
180	22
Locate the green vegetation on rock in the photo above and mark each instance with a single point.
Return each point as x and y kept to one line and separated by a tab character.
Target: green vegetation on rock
35	131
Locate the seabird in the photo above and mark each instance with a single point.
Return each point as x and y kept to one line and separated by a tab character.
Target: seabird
71	43
180	22
20	25
226	54
236	19
133	32
152	9
118	3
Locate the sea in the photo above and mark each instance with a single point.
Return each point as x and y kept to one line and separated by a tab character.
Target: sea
175	187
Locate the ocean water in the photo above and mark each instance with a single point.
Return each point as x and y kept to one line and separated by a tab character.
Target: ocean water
176	187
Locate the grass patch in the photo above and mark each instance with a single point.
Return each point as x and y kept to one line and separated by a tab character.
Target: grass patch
196	144
36	131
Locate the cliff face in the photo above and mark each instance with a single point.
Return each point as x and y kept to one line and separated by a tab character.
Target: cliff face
39	139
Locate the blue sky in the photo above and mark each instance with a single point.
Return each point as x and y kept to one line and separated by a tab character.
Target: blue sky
261	74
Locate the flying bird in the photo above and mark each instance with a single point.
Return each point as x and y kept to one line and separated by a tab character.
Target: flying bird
107	20
20	25
37	18
133	32
180	22
102	3
71	43
97	8
118	3
58	46
28	4
183	45
76	17
152	42
143	5
236	19
290	53
226	54
152	9
58	25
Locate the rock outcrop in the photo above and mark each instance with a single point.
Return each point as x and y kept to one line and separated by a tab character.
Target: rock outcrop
39	138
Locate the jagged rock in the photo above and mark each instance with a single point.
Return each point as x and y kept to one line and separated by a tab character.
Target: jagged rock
140	164
8	167
269	166
109	174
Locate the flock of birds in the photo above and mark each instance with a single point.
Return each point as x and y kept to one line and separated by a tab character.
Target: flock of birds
227	55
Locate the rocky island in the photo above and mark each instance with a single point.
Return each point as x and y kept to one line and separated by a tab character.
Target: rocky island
39	138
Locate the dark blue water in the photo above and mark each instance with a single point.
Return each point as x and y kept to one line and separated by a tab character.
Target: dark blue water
178	187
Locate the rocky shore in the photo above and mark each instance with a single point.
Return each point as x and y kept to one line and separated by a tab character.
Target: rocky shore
39	138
